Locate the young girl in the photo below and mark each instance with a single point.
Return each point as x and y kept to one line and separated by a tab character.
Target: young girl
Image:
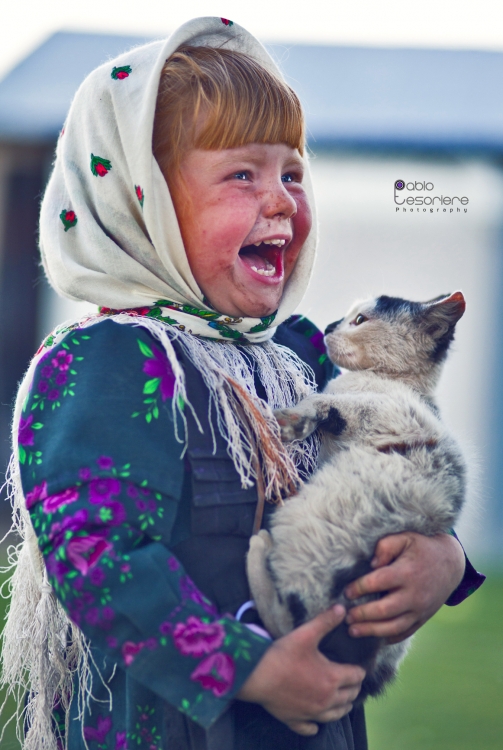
180	203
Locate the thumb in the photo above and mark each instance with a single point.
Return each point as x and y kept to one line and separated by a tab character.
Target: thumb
319	626
388	549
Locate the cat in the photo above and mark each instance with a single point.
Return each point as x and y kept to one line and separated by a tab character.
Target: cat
387	465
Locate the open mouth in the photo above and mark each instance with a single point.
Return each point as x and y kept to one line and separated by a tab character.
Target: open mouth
265	258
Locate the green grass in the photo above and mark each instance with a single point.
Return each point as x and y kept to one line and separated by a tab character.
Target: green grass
449	695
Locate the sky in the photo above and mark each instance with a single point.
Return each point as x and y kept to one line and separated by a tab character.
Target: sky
472	24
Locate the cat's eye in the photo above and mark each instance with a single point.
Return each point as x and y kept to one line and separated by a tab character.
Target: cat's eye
360	319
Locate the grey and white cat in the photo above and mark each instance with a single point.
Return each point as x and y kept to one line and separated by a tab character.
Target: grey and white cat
387	465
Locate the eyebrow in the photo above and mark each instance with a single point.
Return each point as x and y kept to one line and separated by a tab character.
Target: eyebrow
293	160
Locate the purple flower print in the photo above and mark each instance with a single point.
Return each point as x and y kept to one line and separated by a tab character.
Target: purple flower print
60	378
100	490
111	513
215	673
39	492
62	360
173	564
129	651
108	614
189	590
56	568
100	733
166	627
318	341
97	576
93	616
47	371
70	523
53	502
94	546
132	491
85	473
43	386
159	367
26	436
105	462
53	394
120	741
196	638
112	641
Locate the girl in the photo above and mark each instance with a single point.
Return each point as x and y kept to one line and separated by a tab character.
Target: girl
180	203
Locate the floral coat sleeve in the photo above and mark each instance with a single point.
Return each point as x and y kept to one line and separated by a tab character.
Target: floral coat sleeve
103	478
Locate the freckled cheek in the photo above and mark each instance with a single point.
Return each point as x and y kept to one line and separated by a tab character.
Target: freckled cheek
302	222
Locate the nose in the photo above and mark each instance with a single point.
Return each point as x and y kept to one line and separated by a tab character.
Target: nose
278	203
330	328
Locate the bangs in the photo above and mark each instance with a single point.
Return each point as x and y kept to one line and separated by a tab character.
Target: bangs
217	98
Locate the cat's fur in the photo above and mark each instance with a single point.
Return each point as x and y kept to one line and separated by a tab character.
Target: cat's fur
388	465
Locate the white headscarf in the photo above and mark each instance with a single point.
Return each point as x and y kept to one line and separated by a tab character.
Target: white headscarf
109	232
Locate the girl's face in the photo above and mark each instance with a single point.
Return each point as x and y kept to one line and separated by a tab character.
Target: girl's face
244	217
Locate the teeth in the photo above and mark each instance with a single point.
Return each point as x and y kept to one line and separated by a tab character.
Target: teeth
269	271
278	242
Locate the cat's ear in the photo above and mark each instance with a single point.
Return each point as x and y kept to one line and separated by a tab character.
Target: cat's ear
443	313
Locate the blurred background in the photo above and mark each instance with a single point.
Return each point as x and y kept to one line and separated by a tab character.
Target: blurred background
392	91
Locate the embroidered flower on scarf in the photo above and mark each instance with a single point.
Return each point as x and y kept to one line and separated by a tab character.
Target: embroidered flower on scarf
118	74
53	502
139	194
39	492
85	551
226	22
69	219
100	166
215	673
98	734
196	638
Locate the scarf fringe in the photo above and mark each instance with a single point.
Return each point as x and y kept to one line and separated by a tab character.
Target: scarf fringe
42	649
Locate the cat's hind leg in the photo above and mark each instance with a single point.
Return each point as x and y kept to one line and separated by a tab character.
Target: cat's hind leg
274	614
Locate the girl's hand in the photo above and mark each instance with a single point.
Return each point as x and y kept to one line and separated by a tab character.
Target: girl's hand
417	573
297	684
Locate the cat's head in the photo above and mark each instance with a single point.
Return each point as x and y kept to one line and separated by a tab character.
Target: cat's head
394	336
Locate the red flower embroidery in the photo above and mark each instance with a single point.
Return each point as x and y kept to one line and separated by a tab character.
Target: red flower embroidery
118	74
100	166
68	218
227	22
215	673
139	194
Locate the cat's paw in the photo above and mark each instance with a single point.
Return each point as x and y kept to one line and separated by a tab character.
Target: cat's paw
295	425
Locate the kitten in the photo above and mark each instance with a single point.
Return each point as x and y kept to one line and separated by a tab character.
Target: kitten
388	465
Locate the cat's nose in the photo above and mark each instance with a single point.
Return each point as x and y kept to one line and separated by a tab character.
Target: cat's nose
332	326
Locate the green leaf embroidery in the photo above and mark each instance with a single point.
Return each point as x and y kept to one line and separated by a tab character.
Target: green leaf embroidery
151	385
146	350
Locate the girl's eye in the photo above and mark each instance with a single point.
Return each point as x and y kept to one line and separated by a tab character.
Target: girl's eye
287	177
360	319
241	175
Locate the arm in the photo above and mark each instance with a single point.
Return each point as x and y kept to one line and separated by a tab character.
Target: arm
418	574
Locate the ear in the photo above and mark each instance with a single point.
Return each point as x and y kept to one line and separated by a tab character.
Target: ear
443	313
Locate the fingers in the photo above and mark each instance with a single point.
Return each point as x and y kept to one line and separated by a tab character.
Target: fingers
314	630
334	714
388	549
380	580
306	728
396	629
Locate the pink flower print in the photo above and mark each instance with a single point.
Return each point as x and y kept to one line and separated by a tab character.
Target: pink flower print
26	436
129	651
125	568
105	462
173	564
53	502
93	546
215	673
39	492
120	741
99	734
62	360
100	490
196	638
159	367
70	523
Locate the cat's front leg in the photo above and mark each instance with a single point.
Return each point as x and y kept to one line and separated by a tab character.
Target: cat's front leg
298	422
